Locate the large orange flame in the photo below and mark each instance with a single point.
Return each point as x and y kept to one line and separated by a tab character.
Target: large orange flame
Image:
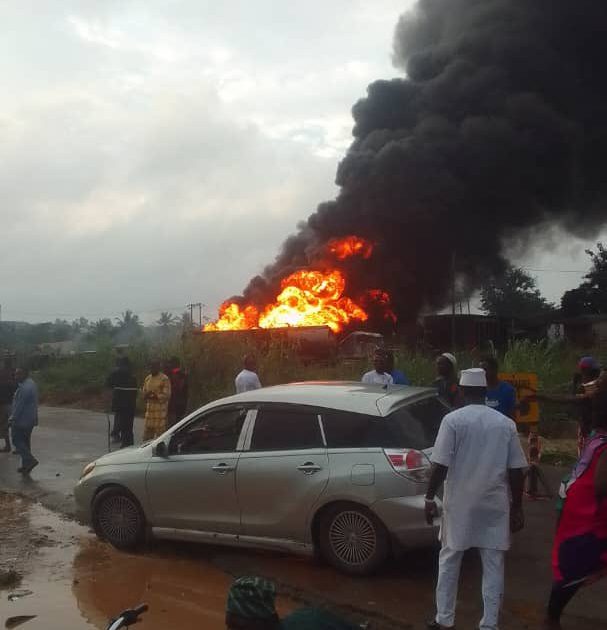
312	298
232	317
309	298
349	246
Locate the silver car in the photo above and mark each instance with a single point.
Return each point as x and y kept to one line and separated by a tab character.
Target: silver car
335	469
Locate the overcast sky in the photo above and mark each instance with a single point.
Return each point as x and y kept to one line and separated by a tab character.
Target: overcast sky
157	152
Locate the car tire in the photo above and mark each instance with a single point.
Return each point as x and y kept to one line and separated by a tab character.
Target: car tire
353	539
118	518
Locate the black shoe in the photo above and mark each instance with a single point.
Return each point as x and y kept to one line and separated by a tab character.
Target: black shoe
20	469
434	625
28	469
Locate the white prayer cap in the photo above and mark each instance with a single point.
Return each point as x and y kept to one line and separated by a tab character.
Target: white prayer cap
451	358
475	377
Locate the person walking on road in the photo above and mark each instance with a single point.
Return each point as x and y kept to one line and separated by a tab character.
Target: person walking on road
579	555
124	399
478	456
7	391
156	394
446	379
178	403
247	379
500	395
379	375
23	419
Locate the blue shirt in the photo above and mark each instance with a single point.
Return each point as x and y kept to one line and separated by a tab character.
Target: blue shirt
24	413
399	378
502	398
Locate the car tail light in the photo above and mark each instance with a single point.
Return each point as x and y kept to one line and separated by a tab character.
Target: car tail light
409	463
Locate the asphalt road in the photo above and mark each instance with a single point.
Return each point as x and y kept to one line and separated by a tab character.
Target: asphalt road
401	596
64	442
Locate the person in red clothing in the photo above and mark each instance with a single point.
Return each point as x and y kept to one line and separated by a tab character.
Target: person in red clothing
579	555
178	402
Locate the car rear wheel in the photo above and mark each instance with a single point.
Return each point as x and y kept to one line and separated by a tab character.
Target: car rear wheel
118	518
353	539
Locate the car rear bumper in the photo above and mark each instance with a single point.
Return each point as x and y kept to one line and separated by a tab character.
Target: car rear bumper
405	520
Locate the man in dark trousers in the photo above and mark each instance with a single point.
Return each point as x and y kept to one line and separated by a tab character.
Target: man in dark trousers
7	390
123	383
23	419
178	403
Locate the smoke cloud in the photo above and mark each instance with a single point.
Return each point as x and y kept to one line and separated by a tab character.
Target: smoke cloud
499	127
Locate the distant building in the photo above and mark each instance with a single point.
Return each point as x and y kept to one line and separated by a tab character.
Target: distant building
586	331
471	331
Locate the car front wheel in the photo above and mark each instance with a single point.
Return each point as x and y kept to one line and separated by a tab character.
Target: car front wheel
353	539
118	518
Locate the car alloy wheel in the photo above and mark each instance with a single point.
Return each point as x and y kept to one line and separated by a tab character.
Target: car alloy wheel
118	518
353	538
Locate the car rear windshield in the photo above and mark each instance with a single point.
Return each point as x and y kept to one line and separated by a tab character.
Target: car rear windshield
413	426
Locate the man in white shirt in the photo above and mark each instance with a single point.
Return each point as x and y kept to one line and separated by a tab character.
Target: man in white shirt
478	456
247	378
379	375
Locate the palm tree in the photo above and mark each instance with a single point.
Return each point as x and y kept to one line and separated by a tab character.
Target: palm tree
166	320
128	321
101	328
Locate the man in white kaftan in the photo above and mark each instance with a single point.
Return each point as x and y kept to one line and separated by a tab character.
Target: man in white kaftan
479	457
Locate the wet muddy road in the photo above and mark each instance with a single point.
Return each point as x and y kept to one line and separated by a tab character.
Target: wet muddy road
70	580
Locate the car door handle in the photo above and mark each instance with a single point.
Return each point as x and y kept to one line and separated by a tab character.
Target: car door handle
309	468
222	469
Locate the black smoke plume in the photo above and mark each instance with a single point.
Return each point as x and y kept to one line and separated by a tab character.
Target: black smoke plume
499	128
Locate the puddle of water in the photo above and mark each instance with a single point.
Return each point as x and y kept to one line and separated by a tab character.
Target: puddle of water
78	582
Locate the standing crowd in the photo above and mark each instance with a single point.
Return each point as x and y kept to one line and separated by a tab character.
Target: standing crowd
164	392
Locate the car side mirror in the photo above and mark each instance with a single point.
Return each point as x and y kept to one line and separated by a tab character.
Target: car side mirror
161	450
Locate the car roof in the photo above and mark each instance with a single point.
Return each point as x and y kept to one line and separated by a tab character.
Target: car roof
353	396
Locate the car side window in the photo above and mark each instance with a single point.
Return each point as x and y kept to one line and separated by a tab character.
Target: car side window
213	432
280	428
419	422
344	429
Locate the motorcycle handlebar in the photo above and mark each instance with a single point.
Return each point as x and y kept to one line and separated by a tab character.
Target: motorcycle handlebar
128	617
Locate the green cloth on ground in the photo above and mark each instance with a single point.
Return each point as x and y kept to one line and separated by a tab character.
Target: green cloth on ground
315	619
252	598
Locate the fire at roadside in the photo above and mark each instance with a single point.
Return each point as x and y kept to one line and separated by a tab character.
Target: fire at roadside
315	296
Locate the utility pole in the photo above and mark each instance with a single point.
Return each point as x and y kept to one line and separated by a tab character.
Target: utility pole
453	301
198	305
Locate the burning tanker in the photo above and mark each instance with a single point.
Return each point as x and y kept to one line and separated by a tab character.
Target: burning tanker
498	131
311	297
